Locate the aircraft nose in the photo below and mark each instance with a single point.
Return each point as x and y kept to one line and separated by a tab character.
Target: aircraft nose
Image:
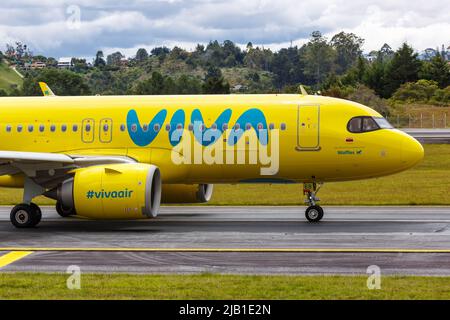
412	151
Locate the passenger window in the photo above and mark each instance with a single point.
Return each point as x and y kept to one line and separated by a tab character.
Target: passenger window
30	128
271	126
133	127
41	128
191	127
179	126
64	128
75	128
225	127
122	127
8	128
19	128
105	128
156	127
248	126
145	127
52	128
88	128
167	127
283	126
214	126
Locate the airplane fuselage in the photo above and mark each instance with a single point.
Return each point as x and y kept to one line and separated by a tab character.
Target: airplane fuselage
315	143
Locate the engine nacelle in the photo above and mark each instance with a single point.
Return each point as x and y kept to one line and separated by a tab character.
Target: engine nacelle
116	191
186	193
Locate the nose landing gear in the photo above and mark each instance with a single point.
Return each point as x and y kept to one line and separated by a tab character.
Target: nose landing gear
314	213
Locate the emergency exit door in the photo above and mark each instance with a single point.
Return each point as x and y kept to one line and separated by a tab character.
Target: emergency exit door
308	128
87	130
106	130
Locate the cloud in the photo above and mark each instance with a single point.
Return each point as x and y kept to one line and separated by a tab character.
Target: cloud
128	25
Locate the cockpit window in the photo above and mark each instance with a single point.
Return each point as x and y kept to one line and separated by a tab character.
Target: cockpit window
367	124
354	125
383	123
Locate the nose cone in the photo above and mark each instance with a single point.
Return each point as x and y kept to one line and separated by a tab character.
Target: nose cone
412	151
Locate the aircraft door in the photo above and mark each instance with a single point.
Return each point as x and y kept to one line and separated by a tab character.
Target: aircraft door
106	130
308	128
87	130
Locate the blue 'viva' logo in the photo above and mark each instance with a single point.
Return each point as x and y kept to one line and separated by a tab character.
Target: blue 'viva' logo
253	118
143	135
205	135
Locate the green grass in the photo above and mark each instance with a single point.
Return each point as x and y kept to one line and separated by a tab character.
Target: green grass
426	184
208	286
8	78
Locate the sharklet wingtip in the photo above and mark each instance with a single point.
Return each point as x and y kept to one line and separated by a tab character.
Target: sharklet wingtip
46	91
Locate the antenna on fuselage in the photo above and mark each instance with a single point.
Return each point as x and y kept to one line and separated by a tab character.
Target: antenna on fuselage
46	91
303	91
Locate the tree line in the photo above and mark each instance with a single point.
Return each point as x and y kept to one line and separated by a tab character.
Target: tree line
335	67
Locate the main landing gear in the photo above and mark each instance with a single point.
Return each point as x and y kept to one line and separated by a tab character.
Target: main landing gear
314	213
26	215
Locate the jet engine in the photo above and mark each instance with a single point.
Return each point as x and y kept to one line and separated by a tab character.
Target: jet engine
186	193
116	191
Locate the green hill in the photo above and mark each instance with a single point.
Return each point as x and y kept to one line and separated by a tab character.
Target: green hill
9	79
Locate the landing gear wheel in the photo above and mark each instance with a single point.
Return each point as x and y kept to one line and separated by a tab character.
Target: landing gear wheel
38	211
64	212
314	213
25	216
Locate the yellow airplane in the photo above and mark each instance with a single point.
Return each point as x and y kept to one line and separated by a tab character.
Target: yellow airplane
120	157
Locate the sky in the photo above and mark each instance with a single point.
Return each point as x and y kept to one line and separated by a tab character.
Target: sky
78	28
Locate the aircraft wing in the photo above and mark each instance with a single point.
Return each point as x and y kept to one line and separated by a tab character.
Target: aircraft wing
33	157
49	169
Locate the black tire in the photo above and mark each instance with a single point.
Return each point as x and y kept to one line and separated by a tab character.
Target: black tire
24	216
314	213
37	209
64	212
